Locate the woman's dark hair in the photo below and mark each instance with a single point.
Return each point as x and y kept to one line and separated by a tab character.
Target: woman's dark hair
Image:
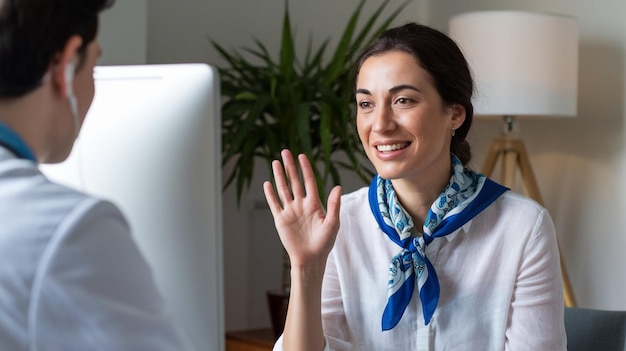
439	55
32	32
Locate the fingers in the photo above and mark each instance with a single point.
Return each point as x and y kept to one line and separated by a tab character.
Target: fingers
292	173
309	176
333	205
271	199
288	184
282	183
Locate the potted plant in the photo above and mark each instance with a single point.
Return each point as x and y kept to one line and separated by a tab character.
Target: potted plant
305	106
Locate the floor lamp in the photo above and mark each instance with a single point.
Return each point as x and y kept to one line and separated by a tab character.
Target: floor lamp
524	64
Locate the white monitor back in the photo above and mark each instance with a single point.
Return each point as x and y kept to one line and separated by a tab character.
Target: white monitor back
151	144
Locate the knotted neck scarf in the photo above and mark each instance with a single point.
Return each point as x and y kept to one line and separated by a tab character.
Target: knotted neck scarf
465	196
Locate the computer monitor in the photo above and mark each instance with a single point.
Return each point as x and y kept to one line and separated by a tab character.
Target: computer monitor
151	144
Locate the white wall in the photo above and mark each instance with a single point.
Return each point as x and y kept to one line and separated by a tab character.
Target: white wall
123	33
579	162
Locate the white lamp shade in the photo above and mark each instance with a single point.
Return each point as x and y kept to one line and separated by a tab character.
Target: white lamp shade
523	63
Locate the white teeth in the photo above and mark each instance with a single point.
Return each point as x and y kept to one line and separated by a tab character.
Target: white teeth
391	147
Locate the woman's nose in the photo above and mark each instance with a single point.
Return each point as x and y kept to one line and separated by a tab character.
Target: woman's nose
383	120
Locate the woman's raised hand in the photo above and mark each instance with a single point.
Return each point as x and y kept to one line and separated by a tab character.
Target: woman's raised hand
307	232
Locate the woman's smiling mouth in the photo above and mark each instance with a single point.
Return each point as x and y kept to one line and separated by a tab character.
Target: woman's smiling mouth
392	147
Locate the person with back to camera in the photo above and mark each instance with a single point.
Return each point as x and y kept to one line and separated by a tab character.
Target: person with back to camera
481	273
71	276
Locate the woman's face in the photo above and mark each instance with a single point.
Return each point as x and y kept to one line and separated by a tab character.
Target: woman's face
404	127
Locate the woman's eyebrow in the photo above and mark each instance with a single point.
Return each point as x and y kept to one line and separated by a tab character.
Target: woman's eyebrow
392	90
403	87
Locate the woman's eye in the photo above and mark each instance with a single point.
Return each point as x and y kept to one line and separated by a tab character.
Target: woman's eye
364	104
402	101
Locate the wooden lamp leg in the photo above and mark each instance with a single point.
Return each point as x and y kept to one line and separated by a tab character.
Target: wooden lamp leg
514	154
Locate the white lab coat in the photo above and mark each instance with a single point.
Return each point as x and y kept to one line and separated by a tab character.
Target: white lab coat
71	277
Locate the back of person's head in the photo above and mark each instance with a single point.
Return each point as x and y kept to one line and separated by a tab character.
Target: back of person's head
32	32
439	55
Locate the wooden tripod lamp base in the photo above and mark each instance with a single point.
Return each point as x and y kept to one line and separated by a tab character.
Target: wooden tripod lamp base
514	156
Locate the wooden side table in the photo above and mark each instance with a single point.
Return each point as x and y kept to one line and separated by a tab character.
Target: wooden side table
250	340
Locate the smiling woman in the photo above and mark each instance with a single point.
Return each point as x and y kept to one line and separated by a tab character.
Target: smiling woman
403	123
472	248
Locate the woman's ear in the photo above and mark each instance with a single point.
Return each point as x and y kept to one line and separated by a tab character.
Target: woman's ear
458	115
63	67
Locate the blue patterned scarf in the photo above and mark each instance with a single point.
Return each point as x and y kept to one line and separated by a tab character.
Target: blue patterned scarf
467	194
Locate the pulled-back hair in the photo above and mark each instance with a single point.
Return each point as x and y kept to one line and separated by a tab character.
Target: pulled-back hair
439	55
32	32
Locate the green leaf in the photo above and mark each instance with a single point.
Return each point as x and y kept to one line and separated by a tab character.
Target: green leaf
339	58
325	129
249	119
287	49
303	127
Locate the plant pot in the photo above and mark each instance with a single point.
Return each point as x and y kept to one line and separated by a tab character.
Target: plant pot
278	301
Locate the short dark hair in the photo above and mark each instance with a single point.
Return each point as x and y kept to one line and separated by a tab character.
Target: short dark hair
439	55
32	32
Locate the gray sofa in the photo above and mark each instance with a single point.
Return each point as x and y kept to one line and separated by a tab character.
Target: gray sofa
595	330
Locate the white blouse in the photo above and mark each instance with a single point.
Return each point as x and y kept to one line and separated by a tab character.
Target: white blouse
499	274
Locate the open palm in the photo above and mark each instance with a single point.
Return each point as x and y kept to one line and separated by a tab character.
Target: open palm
306	231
